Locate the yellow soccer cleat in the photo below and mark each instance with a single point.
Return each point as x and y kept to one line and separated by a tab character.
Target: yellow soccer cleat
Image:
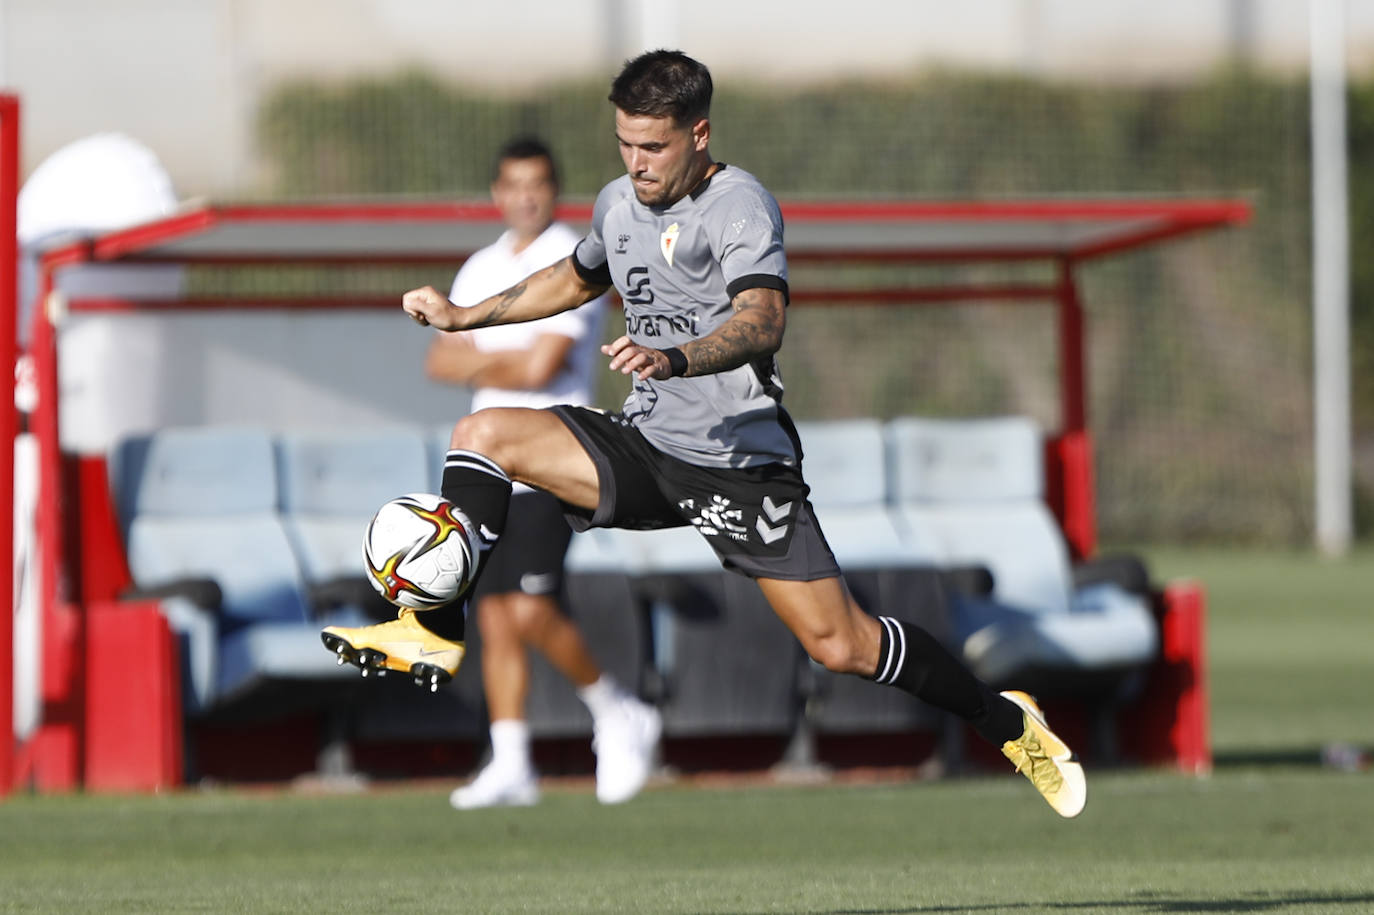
400	644
1046	760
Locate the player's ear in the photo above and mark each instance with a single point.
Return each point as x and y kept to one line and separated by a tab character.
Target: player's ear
701	134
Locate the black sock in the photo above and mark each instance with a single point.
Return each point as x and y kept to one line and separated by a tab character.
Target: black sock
481	490
912	660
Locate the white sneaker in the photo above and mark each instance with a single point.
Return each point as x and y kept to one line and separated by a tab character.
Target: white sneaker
497	786
624	743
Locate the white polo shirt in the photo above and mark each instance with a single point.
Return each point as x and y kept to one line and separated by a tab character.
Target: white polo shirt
498	267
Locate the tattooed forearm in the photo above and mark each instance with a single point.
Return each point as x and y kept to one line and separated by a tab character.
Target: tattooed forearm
545	292
502	305
755	329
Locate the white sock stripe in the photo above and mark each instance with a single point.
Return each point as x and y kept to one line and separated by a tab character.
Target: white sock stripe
474	461
886	662
901	658
459	456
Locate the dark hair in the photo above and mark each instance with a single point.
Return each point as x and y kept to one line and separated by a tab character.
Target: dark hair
526	147
663	84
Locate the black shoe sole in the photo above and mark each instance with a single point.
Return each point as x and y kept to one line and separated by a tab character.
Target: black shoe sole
369	660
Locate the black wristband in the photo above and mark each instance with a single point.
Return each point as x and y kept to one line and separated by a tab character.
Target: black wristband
677	362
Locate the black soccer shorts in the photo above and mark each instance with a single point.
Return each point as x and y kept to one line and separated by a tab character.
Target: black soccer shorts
757	519
528	558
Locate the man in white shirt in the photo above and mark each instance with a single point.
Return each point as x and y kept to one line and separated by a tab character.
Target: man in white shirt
534	364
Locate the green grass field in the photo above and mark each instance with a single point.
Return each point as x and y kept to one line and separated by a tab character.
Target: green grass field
1292	643
1290	647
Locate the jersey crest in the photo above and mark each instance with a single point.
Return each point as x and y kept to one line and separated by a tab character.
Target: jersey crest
667	243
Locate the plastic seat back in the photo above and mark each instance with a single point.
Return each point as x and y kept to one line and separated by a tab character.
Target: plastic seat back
333	481
201	503
844	462
975	487
845	465
349	471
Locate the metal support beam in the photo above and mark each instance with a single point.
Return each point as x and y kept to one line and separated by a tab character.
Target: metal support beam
1330	280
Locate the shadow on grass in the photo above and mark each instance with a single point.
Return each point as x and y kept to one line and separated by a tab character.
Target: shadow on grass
1151	904
1329	757
1286	756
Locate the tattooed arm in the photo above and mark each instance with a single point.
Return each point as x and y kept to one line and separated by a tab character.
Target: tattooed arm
754	330
556	288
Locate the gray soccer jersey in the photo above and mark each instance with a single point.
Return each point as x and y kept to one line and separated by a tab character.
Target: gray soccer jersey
677	269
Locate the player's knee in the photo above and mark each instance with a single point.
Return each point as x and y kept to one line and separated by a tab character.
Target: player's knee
495	618
836	652
480	432
531	614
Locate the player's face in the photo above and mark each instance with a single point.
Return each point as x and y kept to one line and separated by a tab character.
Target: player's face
524	191
665	160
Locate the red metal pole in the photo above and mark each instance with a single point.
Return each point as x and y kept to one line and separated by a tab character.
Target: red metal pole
1069	483
1073	384
9	420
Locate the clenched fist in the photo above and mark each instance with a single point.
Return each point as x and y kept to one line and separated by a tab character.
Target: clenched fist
429	308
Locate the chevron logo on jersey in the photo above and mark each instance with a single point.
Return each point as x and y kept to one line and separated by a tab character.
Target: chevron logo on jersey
667	243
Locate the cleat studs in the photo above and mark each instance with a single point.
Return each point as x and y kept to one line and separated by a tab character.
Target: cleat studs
427	676
340	659
365	671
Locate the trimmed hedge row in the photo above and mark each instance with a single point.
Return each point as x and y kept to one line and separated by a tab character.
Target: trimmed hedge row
1201	350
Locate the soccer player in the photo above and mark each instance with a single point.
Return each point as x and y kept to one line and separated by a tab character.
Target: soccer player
535	364
695	249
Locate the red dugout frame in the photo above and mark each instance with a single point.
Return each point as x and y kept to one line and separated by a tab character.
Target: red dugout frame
1064	233
9	417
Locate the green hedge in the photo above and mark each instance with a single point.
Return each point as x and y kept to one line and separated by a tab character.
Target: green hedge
1200	363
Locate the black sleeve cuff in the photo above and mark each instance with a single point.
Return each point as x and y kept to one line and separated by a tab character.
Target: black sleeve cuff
759	281
592	276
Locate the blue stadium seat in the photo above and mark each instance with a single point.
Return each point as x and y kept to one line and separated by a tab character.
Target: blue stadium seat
200	504
845	464
976	488
193	471
331	483
350	471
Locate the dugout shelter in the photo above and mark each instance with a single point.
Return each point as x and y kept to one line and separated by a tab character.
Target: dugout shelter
110	704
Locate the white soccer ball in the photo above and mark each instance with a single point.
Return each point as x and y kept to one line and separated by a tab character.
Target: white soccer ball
420	551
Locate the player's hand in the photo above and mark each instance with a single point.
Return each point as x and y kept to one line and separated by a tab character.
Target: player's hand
643	362
429	308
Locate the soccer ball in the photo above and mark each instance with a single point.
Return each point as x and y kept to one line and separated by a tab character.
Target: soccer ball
420	551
